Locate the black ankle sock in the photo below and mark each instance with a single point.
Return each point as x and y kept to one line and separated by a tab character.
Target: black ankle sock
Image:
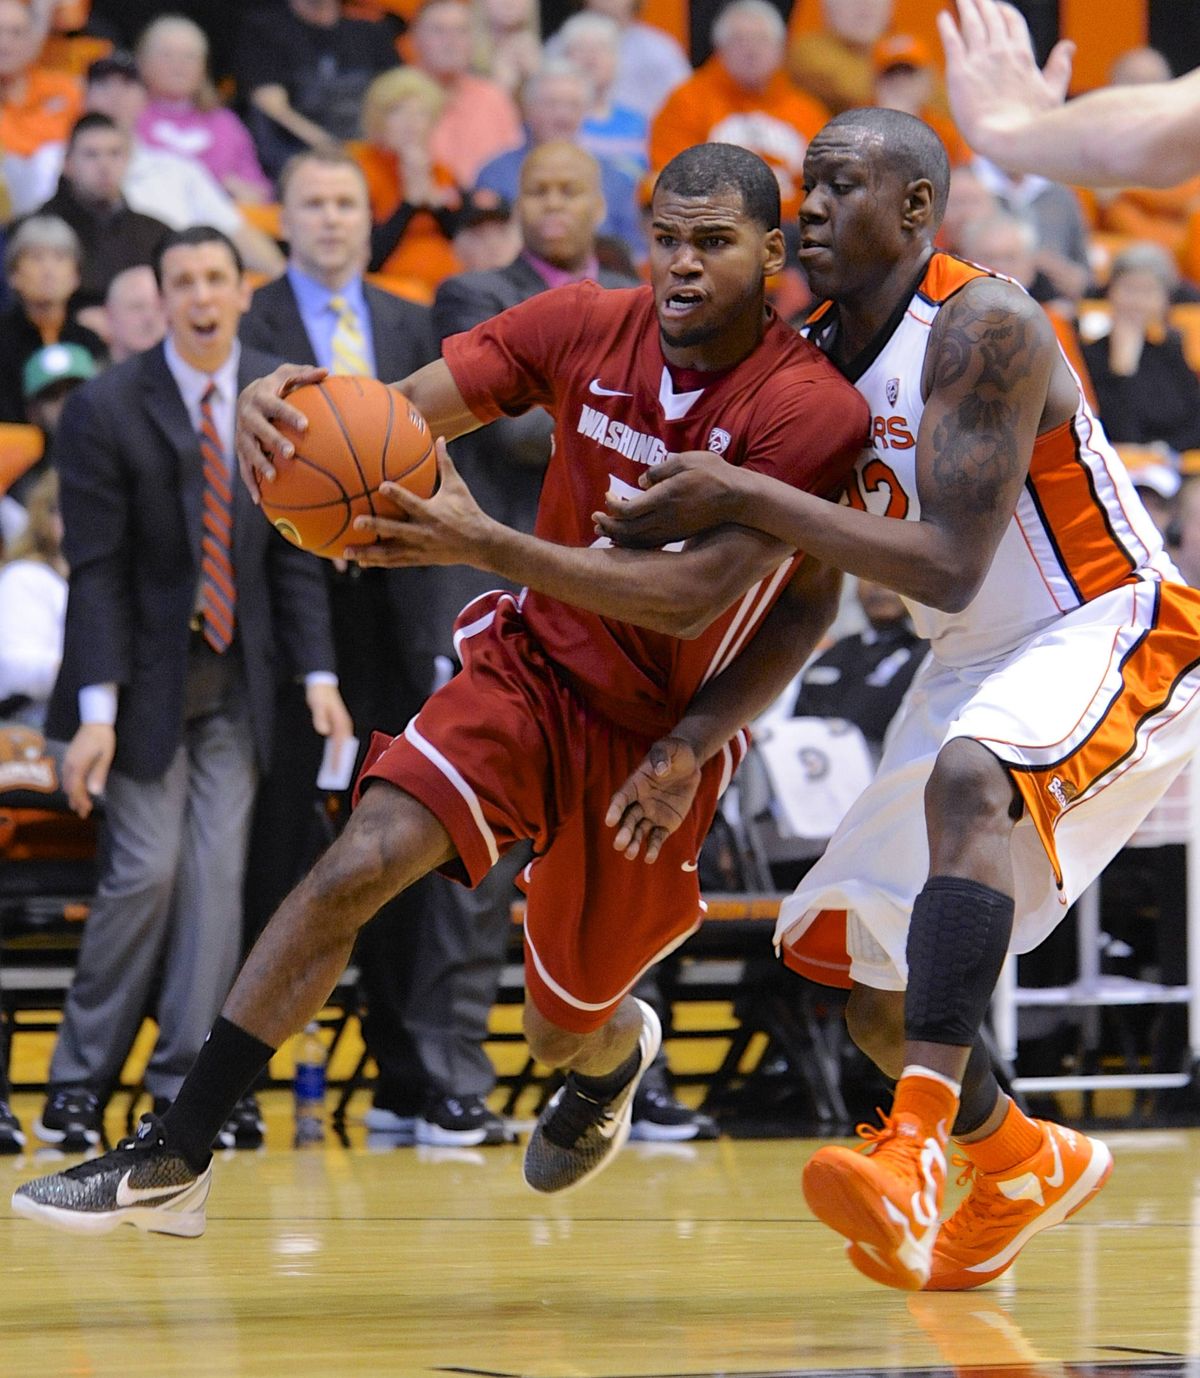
606	1087
980	1091
227	1064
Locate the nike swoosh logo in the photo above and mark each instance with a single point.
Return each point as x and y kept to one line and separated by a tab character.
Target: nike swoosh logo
688	865
1055	1179
595	387
136	1196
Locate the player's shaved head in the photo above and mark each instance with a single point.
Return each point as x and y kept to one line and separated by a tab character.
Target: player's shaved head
560	153
705	170
901	144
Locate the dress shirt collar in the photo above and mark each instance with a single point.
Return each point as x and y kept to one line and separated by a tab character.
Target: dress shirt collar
313	297
559	277
193	384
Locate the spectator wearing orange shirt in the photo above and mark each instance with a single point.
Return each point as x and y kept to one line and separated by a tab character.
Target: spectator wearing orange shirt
742	95
479	119
37	109
834	64
414	198
904	80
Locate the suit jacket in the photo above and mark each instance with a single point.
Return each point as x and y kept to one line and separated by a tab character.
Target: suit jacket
132	490
503	463
400	330
403	340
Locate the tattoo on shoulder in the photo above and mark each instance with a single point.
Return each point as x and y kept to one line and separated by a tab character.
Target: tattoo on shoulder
986	351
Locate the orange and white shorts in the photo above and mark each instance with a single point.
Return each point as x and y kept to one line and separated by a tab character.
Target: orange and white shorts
1094	716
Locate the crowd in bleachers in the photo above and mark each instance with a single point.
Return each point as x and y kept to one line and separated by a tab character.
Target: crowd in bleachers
120	125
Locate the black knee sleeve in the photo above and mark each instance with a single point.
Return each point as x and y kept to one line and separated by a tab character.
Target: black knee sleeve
957	942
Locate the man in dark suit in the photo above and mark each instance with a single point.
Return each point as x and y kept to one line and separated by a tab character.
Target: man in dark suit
423	1027
559	208
181	597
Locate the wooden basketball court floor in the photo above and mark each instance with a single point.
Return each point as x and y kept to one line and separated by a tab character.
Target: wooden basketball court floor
696	1260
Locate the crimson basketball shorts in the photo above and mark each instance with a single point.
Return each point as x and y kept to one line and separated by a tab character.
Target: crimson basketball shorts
509	750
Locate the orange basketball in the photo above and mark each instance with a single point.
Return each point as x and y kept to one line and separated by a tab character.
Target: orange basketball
361	433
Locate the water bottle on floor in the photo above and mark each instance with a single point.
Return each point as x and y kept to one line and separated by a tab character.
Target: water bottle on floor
309	1087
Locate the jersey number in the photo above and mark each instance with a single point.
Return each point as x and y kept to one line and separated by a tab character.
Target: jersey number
875	474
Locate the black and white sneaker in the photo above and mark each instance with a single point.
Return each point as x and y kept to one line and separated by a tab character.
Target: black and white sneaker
659	1118
71	1119
140	1182
245	1127
460	1121
12	1138
575	1136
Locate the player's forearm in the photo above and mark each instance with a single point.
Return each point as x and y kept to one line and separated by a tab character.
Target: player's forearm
915	559
789	635
649	588
434	393
1118	136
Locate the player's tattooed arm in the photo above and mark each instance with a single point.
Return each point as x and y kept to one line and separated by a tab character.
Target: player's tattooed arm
987	371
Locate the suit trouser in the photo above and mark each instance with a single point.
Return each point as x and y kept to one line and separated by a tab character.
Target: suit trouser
431	964
169	897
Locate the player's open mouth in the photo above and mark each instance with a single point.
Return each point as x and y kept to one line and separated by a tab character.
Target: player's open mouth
205	329
681	303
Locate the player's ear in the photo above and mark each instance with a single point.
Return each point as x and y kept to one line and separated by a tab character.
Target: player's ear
774	252
919	200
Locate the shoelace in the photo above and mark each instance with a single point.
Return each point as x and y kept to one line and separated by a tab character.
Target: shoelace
573	1116
135	1144
975	1209
875	1135
77	1102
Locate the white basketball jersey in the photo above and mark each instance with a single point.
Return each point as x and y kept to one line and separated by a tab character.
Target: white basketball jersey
1079	528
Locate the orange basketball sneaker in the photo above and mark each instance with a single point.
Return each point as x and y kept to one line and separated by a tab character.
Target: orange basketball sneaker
1004	1210
885	1197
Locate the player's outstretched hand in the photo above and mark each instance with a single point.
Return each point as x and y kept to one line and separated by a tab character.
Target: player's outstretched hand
450	528
655	799
992	76
260	406
685	494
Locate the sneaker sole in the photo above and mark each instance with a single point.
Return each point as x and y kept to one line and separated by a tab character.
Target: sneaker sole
653	1026
436	1136
388	1122
185	1223
1093	1178
71	1140
849	1205
646	1131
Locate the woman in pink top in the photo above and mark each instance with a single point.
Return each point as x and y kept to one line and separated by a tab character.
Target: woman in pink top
183	114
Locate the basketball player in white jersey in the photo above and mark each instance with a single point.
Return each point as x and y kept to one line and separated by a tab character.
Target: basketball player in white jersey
1061	697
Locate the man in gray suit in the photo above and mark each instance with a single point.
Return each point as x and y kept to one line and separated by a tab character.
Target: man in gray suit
181	597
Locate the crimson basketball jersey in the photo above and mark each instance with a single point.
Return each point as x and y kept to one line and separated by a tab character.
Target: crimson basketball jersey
593	358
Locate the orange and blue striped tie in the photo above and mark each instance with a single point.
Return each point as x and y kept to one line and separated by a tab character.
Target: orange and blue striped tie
218	593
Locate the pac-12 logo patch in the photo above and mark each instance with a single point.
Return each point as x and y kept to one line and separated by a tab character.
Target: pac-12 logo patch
892	390
719	440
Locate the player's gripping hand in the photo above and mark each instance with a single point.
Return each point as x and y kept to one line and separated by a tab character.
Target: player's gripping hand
992	76
260	406
450	528
685	494
655	799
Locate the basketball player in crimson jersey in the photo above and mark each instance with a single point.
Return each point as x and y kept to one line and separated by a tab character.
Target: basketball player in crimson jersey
563	689
1060	699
